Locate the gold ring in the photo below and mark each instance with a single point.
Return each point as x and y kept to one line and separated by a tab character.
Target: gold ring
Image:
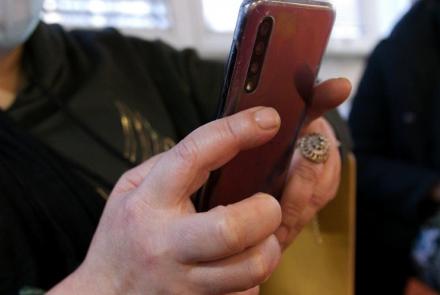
314	147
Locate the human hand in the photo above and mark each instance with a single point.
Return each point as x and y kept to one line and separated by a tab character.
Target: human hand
150	240
311	186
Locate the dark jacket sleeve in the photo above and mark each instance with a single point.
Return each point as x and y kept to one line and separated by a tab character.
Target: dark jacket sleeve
16	256
385	180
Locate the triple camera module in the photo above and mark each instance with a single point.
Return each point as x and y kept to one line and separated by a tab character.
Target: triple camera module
258	55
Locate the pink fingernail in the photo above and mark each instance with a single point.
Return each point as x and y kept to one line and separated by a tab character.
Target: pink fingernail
267	118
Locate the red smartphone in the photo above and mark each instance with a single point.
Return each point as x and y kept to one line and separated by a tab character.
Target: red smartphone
275	57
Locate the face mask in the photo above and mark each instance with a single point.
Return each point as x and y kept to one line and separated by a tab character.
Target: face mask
18	19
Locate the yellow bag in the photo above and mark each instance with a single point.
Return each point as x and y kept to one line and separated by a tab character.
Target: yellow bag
321	261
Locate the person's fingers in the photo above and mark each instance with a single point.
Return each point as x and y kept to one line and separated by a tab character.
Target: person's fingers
310	185
238	273
230	229
184	168
323	193
328	95
297	194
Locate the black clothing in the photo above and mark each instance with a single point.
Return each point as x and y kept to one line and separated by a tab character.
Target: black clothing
49	207
47	214
395	126
92	74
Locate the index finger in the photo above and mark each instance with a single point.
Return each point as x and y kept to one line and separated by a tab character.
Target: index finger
328	95
183	169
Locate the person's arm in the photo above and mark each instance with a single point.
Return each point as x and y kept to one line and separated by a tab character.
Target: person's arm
382	177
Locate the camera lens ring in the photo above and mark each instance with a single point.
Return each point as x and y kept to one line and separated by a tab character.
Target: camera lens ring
265	28
264	32
260	48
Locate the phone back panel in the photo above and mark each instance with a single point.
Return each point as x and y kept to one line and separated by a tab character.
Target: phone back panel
299	36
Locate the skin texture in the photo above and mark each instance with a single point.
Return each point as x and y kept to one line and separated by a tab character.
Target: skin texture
151	241
10	76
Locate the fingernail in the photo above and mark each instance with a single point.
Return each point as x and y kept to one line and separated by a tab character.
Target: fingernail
267	118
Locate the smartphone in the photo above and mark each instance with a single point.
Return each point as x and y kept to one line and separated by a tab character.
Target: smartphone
276	53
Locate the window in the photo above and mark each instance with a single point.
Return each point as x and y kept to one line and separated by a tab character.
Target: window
208	24
389	12
348	24
359	23
220	16
139	14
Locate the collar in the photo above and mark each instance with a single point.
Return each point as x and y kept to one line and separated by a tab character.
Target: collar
43	55
44	65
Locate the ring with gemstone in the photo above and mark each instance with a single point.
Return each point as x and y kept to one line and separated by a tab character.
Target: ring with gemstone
314	147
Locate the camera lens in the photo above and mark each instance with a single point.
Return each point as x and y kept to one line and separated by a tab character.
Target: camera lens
265	28
258	55
250	86
254	68
259	49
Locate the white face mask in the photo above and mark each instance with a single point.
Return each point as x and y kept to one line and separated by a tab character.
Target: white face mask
18	19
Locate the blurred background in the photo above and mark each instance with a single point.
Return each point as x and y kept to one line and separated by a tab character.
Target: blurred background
207	25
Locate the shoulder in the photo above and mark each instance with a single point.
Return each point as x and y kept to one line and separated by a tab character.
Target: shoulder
112	40
413	37
419	23
94	45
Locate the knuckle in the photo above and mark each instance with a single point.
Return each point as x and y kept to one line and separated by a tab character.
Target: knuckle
182	239
228	230
131	177
307	173
317	202
187	152
125	176
292	210
132	211
150	252
128	181
130	223
229	129
259	268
